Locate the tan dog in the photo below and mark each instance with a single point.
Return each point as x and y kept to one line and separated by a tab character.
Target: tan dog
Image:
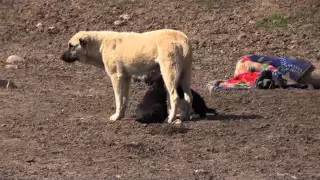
127	54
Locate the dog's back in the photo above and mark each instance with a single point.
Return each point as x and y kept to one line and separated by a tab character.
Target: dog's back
153	107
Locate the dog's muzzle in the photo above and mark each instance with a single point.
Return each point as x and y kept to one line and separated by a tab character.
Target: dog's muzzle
67	57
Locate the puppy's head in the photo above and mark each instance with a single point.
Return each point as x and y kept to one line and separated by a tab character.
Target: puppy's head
150	78
153	78
78	48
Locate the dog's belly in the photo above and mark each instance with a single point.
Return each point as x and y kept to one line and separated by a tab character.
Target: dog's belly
142	69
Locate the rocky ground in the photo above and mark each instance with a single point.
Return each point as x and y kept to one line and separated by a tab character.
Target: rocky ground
55	124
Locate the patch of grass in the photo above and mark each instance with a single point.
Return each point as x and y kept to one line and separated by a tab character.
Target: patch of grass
121	3
212	4
275	20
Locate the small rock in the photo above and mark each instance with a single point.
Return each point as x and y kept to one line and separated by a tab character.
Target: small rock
39	24
125	16
118	176
3	125
197	67
53	30
14	59
200	171
11	66
118	22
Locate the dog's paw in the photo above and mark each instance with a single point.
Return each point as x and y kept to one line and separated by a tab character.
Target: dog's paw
169	120
115	117
173	121
177	121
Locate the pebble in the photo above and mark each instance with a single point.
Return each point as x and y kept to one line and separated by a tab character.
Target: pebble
11	66
200	171
14	59
125	16
39	24
118	22
53	30
118	176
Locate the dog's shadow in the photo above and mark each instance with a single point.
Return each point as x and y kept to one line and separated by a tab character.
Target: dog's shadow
227	117
217	117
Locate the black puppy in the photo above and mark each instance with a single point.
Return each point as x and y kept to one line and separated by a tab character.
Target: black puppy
153	107
198	105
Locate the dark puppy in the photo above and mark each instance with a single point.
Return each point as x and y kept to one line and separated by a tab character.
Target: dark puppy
153	107
198	105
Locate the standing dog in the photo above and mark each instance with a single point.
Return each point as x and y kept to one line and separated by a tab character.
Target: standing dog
124	54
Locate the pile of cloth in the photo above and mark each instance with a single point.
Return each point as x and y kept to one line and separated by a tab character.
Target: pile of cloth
265	72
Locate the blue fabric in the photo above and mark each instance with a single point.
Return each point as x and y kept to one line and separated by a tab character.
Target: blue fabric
291	68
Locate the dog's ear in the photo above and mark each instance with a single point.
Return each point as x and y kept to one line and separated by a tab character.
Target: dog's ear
83	42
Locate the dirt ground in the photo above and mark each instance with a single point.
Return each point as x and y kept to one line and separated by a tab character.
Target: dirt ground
55	125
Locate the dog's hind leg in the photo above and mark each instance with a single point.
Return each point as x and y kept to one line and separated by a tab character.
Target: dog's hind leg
120	86
185	83
188	98
170	76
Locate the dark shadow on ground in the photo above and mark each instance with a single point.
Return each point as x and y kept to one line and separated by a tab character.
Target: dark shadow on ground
229	117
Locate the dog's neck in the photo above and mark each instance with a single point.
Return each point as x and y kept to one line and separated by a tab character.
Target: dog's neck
96	61
95	58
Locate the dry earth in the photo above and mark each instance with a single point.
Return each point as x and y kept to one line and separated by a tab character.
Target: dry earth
55	124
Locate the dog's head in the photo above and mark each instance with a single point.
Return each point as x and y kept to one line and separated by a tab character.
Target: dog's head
77	49
84	48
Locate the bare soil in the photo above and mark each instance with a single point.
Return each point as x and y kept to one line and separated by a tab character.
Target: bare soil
55	124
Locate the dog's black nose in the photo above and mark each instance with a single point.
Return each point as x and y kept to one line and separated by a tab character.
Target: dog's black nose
63	56
66	57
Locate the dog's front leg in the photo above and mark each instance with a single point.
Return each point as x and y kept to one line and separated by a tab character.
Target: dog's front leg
120	88
125	91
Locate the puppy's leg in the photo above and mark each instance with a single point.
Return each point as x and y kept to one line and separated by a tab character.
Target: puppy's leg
120	88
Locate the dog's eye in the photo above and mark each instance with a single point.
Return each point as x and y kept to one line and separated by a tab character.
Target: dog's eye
71	46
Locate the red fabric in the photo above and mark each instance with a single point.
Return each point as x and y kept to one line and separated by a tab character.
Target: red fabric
248	77
245	59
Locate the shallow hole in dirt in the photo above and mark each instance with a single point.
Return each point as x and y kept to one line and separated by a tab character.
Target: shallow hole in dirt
140	149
